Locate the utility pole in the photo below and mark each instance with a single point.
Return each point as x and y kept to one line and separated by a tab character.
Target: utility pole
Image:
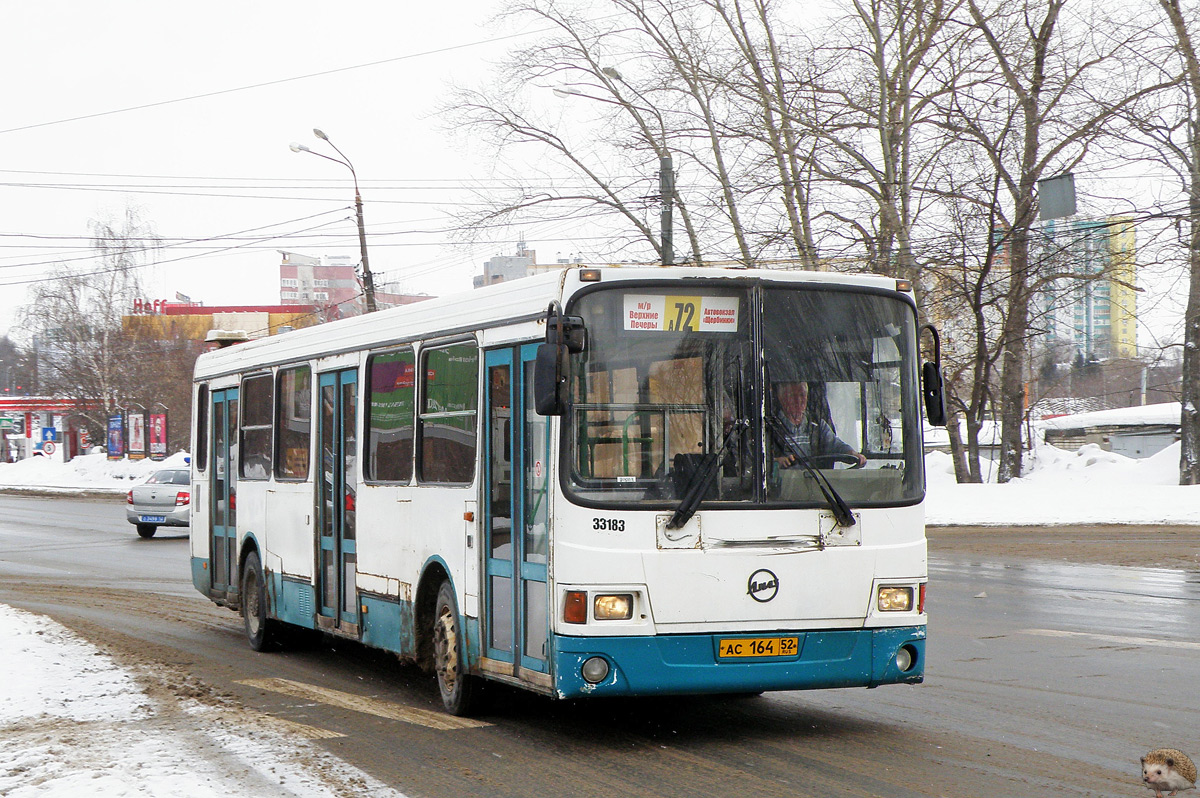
666	188
367	278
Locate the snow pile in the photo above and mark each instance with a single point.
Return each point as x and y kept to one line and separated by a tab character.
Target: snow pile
85	472
48	671
74	723
1090	486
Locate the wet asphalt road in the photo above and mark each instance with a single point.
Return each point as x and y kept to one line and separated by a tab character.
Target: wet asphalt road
1042	677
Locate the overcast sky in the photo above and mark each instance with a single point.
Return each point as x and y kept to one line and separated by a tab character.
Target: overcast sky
209	168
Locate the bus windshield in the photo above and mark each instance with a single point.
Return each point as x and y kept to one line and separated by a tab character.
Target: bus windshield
753	388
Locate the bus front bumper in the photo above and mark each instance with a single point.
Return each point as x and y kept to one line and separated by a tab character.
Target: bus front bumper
683	664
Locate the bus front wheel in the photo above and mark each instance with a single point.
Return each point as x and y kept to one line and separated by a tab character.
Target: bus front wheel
263	633
458	689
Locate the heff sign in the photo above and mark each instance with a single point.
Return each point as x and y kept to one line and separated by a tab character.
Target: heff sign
146	306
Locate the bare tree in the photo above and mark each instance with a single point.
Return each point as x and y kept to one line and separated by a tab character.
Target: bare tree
75	319
634	121
1047	93
965	299
770	82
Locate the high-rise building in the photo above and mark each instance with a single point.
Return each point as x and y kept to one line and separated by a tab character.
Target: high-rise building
330	282
1091	309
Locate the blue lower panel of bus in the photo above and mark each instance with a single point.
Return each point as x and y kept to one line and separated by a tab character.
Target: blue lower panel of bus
678	664
200	575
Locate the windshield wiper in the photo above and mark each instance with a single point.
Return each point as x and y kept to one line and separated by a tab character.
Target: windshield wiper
841	511
702	477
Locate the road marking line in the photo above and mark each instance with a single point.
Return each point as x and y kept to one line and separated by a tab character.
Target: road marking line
306	731
370	706
1128	641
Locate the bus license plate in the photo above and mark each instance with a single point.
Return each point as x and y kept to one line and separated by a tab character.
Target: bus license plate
758	647
152	519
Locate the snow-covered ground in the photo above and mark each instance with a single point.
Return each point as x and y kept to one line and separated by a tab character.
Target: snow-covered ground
89	472
74	723
1090	486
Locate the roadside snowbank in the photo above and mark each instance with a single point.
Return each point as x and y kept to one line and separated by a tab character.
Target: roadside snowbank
91	472
1090	486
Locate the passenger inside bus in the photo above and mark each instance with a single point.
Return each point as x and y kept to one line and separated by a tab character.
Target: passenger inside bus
803	432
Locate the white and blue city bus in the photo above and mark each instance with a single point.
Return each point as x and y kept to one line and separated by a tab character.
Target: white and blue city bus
585	483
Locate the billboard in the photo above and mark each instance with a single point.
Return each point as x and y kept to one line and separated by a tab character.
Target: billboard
116	437
137	436
158	436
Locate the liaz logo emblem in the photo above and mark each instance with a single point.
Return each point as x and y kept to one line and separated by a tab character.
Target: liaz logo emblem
763	585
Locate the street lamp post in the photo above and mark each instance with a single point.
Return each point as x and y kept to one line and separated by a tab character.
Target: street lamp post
368	278
666	169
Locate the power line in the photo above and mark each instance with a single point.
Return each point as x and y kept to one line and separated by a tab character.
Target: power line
481	182
278	82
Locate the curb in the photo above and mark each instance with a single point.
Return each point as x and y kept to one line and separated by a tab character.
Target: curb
46	492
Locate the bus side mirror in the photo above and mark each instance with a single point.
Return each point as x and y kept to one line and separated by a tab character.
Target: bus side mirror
934	390
549	382
933	387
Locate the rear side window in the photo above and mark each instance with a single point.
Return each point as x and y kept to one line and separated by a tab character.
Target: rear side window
200	455
449	400
257	407
390	416
293	423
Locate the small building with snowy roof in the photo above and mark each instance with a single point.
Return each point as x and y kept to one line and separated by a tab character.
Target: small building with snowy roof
1130	431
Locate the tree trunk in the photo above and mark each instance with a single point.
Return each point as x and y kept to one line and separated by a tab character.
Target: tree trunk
1016	345
1189	422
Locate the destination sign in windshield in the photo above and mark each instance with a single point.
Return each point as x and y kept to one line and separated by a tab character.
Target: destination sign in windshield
659	313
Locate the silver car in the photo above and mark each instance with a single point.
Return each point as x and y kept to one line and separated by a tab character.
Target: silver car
164	499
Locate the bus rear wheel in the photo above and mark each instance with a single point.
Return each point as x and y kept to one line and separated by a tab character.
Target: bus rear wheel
262	632
459	690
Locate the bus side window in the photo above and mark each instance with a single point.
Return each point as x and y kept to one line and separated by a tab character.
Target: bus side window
200	457
293	423
257	407
449	399
390	404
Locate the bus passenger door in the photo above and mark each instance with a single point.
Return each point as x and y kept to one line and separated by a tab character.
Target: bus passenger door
223	493
337	497
516	516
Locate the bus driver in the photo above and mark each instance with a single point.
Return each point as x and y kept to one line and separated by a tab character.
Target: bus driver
811	437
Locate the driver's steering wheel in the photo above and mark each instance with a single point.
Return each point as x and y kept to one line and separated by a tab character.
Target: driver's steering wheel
829	460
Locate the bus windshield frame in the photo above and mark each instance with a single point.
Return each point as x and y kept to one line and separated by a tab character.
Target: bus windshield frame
696	382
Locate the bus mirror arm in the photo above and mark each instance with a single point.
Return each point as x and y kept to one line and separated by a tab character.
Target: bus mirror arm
566	330
933	387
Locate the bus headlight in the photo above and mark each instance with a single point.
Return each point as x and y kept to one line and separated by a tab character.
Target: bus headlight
895	599
618	607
